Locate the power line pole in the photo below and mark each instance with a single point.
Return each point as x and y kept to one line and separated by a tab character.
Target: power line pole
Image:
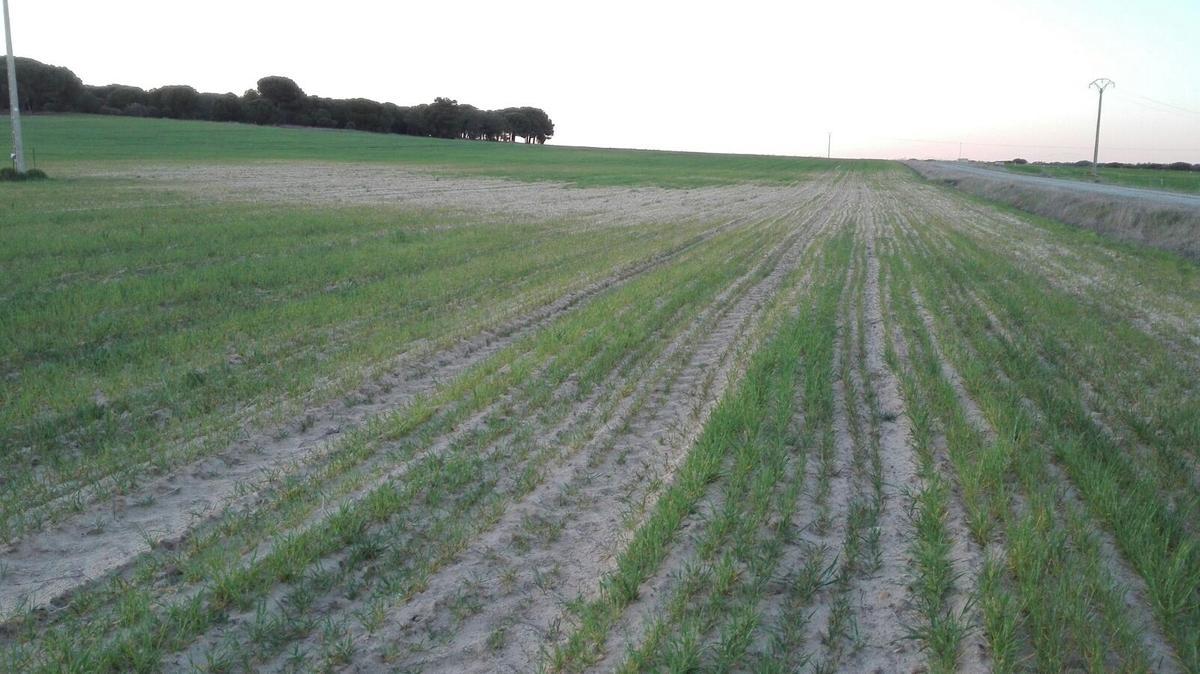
828	139
18	152
1101	84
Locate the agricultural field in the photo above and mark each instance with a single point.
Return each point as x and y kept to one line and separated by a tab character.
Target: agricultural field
296	400
101	140
1155	179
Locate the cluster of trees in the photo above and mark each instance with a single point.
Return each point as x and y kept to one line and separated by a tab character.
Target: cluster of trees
275	100
1174	166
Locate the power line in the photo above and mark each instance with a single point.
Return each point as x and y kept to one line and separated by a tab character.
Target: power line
1028	145
1169	105
1035	146
1156	105
1147	106
974	144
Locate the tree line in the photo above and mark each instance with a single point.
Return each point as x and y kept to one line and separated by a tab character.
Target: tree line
275	100
1082	163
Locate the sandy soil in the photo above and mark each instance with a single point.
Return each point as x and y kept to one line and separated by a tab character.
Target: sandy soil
612	453
381	184
105	536
628	462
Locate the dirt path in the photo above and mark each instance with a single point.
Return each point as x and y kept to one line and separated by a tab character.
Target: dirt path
1158	197
1166	220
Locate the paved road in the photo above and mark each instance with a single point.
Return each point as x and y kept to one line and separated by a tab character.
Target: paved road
1159	197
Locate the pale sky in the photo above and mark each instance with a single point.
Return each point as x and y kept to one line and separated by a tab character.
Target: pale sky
889	78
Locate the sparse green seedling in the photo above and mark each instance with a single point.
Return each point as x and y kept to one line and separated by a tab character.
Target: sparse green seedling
422	421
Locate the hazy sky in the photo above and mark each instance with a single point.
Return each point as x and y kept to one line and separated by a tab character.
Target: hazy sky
889	78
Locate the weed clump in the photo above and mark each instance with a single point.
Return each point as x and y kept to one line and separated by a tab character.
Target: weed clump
9	174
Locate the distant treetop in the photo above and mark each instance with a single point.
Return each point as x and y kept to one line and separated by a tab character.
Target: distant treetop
275	100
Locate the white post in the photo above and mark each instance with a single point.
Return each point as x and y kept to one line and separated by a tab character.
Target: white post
14	106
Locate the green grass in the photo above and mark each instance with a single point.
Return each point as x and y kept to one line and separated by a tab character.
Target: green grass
1155	179
126	333
713	616
137	318
751	433
144	328
452	495
60	140
1027	381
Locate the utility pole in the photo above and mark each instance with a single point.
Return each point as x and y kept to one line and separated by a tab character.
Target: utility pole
1101	84
14	108
960	149
828	139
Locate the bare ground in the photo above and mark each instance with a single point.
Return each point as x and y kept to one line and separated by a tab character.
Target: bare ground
592	499
365	184
502	600
884	594
107	534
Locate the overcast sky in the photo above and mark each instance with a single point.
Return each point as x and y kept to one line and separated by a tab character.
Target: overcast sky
889	78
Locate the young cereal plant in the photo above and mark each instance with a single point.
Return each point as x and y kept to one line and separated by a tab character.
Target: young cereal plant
372	616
